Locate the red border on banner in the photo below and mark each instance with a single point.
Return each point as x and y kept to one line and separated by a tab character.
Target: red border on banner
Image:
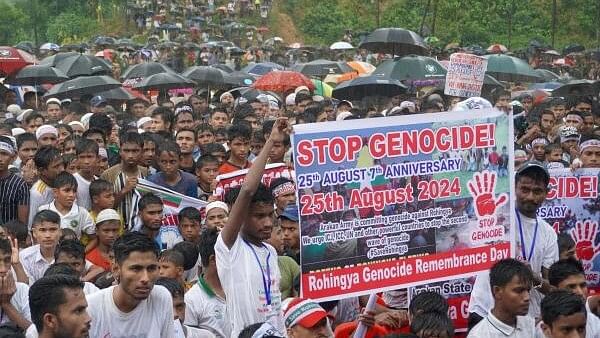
352	280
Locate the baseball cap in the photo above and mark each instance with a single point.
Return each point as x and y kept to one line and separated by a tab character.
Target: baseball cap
534	165
97	101
107	215
304	312
290	212
567	133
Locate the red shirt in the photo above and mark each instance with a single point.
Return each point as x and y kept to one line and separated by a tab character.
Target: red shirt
227	167
96	258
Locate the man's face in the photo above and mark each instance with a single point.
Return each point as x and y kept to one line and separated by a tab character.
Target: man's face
291	235
555	155
168	163
573	120
108	233
130	153
62	135
101	109
227	100
527	104
190	230
259	223
65	195
530	194
97	137
207	173
138	110
205	137
6	159
284	199
301	106
148	151
590	157
199	105
185	141
179	308
218	119
588	124
253	120
5	263
576	284
559	111
320	330
239	147
219	155
569	144
47	234
547	122
87	161
48	139
151	216
277	152
34	124
514	296
78	264
137	274
539	152
216	218
54	113
184	121
572	326
585	107
72	319
158	124
54	168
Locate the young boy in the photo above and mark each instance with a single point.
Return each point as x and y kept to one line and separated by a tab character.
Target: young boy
15	302
510	282
204	135
258	141
553	152
207	169
87	159
280	146
238	135
538	148
190	224
216	215
215	150
563	315
72	216
48	162
185	139
37	258
170	176
170	265
72	253
27	146
149	152
108	228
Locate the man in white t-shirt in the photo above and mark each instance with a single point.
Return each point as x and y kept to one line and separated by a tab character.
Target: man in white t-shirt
536	242
58	308
247	267
134	308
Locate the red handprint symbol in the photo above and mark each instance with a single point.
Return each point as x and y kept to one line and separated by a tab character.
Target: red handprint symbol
584	234
482	188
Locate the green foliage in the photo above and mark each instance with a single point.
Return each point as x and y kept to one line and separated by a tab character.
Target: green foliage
71	27
13	20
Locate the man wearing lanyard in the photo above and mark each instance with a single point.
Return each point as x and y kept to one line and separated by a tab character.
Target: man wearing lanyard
536	242
247	267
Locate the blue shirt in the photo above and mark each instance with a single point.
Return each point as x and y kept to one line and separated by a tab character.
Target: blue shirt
187	185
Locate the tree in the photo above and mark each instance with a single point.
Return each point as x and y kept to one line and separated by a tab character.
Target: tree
13	20
71	27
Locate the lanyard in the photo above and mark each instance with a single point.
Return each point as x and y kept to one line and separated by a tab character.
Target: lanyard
202	283
266	279
528	258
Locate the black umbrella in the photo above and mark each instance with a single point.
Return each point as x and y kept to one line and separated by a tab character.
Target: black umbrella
319	68
75	64
395	41
105	41
145	69
164	81
547	75
237	79
573	48
371	85
26	46
83	85
223	67
38	74
205	75
575	88
117	94
411	68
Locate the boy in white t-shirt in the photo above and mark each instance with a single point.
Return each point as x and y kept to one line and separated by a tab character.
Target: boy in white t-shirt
134	308
247	267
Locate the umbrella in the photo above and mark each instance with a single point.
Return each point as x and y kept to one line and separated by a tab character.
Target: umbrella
546	85
341	45
272	41
395	41
26	46
372	85
164	81
235	51
547	75
282	81
251	93
361	67
13	59
83	85
490	83
573	48
412	67
145	69
497	49
205	75
551	52
50	46
223	67
510	68
105	41
75	64
322	88
237	79
262	68
117	94
320	68
575	88
38	74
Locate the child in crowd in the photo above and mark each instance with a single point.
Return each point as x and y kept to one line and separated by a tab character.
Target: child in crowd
189	224
207	169
170	265
108	228
216	215
239	136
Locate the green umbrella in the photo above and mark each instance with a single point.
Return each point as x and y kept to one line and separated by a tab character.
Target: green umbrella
509	68
322	88
411	68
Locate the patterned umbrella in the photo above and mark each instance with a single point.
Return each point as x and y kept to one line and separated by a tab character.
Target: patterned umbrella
283	81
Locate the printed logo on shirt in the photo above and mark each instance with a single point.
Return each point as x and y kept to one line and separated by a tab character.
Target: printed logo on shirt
74	224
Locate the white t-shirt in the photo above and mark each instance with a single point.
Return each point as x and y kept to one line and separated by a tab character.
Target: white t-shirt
20	301
492	327
192	332
77	219
206	311
83	191
152	318
544	254
89	288
242	281
39	194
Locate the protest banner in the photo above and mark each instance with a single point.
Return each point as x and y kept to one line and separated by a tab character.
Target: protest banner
401	201
228	181
573	207
173	202
465	75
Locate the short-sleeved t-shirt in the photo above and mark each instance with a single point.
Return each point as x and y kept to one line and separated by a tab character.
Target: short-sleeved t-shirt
13	193
187	185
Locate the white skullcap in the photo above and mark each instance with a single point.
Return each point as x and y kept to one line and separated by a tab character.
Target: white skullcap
143	121
290	100
216	204
18	131
45	129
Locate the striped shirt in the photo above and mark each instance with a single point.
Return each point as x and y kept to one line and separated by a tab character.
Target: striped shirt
13	193
117	177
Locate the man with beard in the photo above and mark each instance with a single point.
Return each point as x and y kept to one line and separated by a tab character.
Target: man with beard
134	307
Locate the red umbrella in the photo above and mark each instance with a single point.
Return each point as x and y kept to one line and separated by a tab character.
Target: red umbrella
283	81
13	59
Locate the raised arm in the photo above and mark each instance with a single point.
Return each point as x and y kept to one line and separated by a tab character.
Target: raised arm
239	210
